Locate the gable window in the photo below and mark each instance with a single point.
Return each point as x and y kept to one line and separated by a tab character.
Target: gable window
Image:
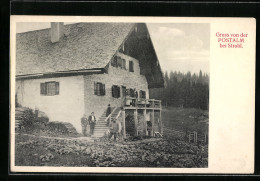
99	89
131	66
50	88
115	91
114	62
118	62
123	64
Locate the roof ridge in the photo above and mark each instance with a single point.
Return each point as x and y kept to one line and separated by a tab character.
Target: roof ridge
44	29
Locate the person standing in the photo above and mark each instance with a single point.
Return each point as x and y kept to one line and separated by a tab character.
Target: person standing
92	122
84	124
114	128
108	110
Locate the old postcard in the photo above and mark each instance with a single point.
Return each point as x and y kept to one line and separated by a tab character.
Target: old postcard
132	94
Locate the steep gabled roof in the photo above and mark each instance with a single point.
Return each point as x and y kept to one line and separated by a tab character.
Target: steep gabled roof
84	46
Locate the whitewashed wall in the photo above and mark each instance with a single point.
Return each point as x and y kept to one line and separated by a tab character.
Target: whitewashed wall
115	76
68	106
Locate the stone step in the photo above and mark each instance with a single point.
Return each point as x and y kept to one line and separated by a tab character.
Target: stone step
101	122
101	129
101	125
98	135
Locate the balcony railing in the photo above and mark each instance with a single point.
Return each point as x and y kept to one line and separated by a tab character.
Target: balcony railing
142	103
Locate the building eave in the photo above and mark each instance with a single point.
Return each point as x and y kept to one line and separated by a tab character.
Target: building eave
62	73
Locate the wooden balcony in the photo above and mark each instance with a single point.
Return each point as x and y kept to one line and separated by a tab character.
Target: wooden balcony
141	103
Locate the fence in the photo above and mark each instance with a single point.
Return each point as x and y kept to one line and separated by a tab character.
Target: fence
193	136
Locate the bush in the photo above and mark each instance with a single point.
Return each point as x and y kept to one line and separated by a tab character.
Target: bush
30	120
61	128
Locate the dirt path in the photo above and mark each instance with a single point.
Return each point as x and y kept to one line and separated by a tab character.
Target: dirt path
59	138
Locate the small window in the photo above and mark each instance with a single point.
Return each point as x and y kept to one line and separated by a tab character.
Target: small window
119	62
123	64
50	88
115	91
114	62
142	94
132	92
131	66
99	89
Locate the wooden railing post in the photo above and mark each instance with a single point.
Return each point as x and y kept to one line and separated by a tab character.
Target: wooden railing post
145	123
136	122
123	122
161	125
152	118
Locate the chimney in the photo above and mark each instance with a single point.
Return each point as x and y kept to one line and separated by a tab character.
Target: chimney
56	31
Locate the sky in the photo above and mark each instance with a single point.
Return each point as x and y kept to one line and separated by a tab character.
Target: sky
179	46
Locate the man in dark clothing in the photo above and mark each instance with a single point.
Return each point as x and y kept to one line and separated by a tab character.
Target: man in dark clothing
108	113
108	110
114	128
84	124
92	122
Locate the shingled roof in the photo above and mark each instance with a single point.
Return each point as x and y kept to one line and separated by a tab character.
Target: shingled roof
84	46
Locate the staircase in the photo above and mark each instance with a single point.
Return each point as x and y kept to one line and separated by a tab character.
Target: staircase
19	113
101	125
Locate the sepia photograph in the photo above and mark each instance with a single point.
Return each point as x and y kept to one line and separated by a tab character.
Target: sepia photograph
131	95
112	94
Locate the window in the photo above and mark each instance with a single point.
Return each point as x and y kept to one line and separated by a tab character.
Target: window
123	64
114	62
142	94
131	66
118	62
132	92
99	89
50	88
115	91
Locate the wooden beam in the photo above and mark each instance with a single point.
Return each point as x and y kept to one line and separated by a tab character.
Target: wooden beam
152	119
123	122
136	122
145	123
161	125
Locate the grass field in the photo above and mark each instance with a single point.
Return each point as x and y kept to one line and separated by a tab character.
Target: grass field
153	152
186	119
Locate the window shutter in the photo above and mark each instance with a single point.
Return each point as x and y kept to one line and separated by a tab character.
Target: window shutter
98	89
116	61
123	63
43	89
113	91
57	88
119	60
144	94
113	62
103	89
95	88
118	91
